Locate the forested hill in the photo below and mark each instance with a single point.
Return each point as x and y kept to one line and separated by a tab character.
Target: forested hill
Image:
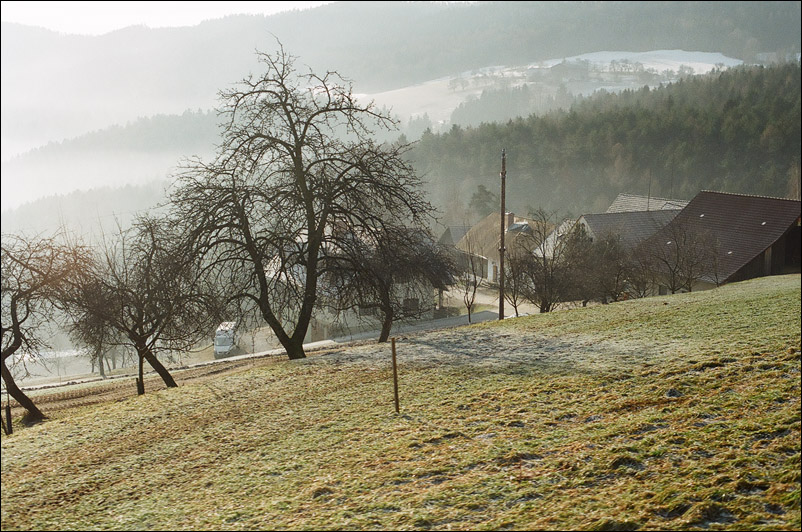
84	83
734	131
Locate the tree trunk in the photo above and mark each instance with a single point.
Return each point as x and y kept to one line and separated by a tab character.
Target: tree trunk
33	414
140	382
387	324
100	364
160	369
293	346
295	349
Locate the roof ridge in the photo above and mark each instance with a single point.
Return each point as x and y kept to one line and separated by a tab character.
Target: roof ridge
747	195
648	196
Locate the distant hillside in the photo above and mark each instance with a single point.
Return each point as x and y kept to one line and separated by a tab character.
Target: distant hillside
137	153
59	86
731	131
85	212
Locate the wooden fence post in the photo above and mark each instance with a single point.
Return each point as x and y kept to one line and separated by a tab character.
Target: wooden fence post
395	378
9	427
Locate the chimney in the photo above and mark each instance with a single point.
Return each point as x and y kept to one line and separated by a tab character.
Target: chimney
509	220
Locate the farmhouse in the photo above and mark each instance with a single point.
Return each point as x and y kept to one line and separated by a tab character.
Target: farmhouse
482	241
748	236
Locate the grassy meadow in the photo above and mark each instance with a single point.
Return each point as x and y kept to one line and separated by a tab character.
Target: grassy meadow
679	412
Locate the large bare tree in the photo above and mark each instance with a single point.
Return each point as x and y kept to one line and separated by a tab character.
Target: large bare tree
297	171
144	290
34	271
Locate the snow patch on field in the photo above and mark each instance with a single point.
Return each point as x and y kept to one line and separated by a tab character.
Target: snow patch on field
657	60
438	98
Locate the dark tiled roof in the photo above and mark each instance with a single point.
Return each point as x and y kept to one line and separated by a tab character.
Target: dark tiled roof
743	226
632	227
633	202
453	234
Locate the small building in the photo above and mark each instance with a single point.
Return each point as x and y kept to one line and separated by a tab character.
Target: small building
553	241
452	235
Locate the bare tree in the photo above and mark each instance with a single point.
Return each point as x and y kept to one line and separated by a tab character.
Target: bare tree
471	268
34	270
297	171
389	272
550	275
607	269
144	291
681	254
97	336
641	279
579	272
518	259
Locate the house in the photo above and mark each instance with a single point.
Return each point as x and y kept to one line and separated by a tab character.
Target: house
633	202
483	240
746	236
632	227
634	218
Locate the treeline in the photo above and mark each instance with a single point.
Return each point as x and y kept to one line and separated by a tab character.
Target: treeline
192	132
732	131
85	212
496	105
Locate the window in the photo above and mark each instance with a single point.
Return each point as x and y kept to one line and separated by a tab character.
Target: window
411	304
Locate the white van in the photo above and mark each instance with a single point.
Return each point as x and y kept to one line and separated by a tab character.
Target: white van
225	340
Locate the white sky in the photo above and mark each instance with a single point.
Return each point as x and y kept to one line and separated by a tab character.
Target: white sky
96	18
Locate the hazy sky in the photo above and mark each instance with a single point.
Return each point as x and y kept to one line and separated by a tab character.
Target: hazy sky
96	18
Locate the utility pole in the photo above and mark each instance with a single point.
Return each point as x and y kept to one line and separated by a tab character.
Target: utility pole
501	246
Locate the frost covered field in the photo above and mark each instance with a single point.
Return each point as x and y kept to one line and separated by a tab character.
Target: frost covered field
678	412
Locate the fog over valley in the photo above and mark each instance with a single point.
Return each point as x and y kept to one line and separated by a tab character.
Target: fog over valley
90	114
